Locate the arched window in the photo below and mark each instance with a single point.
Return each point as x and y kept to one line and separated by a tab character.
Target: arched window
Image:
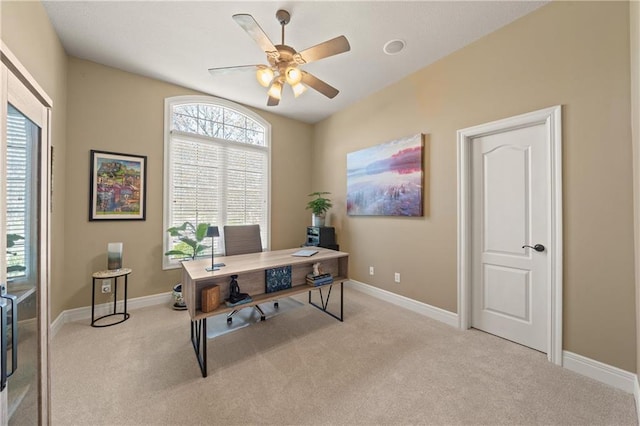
216	168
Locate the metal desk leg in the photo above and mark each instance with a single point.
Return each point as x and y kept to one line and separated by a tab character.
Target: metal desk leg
325	302
199	342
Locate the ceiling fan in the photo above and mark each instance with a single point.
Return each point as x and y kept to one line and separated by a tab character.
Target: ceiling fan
284	61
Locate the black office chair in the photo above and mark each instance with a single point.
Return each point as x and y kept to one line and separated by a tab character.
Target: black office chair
243	239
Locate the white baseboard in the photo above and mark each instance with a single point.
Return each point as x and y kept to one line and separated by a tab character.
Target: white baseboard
636	396
607	374
84	313
56	325
432	312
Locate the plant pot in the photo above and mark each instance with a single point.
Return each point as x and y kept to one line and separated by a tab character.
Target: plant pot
178	304
317	220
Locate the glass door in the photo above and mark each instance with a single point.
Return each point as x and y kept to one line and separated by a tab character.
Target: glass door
24	261
23	143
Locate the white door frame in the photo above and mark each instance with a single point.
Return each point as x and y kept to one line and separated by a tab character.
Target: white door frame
29	83
552	118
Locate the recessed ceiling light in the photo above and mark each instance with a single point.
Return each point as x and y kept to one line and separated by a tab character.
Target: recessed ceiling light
393	47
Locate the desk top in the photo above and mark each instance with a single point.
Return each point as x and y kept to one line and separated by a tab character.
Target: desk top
243	263
251	267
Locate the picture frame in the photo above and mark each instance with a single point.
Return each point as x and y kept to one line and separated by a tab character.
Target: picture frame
387	179
117	186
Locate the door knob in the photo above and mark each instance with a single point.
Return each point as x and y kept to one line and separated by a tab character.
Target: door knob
537	247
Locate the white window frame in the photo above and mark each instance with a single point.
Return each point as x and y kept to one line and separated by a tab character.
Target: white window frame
169	104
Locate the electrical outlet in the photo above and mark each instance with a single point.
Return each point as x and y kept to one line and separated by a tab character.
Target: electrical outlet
370	270
396	277
106	286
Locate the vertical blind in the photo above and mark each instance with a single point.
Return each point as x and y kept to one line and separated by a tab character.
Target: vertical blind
21	133
218	171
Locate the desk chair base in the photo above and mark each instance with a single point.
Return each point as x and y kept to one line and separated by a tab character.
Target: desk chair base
257	307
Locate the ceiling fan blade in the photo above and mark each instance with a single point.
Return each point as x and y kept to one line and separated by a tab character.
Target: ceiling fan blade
226	70
255	32
273	101
328	48
319	85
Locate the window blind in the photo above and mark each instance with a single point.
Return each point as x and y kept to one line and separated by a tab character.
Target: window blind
219	177
19	132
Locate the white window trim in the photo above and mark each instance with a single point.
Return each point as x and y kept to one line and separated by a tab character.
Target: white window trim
169	104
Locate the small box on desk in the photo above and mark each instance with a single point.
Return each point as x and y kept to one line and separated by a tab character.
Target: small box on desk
210	298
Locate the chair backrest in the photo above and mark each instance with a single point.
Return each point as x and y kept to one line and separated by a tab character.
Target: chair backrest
242	239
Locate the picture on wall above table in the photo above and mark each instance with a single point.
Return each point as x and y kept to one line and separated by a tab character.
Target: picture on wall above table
387	179
118	186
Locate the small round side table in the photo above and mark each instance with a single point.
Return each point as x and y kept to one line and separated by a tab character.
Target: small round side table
115	274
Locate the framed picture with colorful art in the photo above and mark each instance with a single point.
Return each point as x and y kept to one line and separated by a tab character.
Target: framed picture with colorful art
118	186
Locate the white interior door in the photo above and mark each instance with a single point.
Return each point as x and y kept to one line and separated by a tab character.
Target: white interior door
510	196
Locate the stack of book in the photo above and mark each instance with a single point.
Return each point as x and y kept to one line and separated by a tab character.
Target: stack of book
317	280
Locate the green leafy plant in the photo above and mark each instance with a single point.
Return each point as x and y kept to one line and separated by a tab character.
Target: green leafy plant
190	237
11	241
319	205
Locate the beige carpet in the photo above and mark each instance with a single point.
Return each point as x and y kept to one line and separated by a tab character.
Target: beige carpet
383	365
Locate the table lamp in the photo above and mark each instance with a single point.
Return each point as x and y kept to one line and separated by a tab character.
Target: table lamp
213	232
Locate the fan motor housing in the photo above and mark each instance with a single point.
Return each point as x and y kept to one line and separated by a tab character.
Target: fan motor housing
286	56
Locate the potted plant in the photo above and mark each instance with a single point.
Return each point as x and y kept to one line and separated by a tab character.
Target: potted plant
319	207
189	247
11	266
190	237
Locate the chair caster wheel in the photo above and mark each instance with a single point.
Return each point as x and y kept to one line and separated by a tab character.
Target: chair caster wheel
263	318
275	305
229	320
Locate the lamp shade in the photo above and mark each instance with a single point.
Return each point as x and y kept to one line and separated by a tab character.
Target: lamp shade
264	76
275	91
293	75
212	231
298	89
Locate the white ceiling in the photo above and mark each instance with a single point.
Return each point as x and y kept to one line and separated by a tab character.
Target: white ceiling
178	41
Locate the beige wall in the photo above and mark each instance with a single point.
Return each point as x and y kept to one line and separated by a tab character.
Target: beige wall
27	32
634	22
571	53
553	56
112	110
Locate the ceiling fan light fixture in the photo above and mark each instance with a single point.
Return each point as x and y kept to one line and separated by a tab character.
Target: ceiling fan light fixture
264	76
298	89
284	60
293	75
275	91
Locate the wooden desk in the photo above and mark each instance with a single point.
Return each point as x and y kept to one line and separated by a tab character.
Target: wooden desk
250	269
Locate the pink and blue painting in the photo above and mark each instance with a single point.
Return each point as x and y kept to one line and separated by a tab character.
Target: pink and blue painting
386	179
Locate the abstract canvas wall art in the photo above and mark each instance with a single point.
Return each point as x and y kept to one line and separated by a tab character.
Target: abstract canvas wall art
387	179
